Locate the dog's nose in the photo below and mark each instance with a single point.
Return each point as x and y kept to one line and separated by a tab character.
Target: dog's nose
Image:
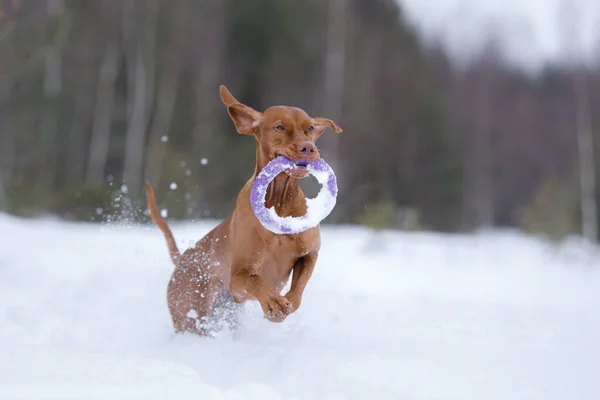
307	149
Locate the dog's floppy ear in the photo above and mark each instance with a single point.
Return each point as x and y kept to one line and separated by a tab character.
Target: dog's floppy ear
323	123
245	118
226	96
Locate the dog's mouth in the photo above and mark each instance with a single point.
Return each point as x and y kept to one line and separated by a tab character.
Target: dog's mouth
299	171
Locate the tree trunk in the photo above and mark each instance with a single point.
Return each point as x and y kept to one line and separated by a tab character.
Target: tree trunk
481	155
149	46
7	150
207	102
587	172
206	85
53	53
207	79
7	159
334	73
139	68
134	143
52	91
571	42
166	96
483	204
82	116
102	120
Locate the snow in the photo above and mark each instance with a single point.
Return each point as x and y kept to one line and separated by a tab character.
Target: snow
173	186
204	161
386	315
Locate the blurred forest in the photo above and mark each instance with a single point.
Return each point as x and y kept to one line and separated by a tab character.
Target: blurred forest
97	93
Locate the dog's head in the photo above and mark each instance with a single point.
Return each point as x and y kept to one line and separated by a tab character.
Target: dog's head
280	130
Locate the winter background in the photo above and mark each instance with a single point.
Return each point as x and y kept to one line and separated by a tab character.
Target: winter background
392	311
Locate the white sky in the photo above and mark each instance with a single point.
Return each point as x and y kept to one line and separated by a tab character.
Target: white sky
531	30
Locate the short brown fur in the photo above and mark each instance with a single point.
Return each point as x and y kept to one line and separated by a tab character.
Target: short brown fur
239	256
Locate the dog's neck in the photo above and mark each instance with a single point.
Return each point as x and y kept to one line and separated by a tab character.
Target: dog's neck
283	192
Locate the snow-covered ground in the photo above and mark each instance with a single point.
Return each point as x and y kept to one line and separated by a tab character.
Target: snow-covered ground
386	316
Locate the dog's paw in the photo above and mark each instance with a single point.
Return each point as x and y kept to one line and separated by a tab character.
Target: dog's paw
294	300
277	308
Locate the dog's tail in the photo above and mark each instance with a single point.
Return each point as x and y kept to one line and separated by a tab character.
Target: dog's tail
162	224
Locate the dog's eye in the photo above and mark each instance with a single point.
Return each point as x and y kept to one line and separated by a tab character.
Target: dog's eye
311	128
280	127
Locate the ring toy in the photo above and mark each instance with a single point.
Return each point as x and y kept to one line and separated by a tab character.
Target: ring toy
317	209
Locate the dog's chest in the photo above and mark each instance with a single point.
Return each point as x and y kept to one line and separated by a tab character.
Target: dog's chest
288	248
282	253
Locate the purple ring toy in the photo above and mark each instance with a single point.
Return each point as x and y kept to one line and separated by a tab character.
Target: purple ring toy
317	209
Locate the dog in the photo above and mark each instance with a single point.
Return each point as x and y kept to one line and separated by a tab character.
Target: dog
239	259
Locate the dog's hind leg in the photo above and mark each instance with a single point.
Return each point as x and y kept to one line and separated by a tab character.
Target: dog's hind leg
192	305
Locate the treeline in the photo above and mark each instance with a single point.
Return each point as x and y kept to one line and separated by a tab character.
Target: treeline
97	93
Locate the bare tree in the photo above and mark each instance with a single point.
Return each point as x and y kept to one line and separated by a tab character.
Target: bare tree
139	28
587	169
207	79
7	130
53	52
206	85
334	71
7	150
101	129
479	189
585	139
104	99
82	113
167	94
57	28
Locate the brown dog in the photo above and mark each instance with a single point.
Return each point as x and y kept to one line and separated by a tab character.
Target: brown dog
240	257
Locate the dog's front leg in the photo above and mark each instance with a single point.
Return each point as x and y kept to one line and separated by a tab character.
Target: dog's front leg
247	283
303	269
